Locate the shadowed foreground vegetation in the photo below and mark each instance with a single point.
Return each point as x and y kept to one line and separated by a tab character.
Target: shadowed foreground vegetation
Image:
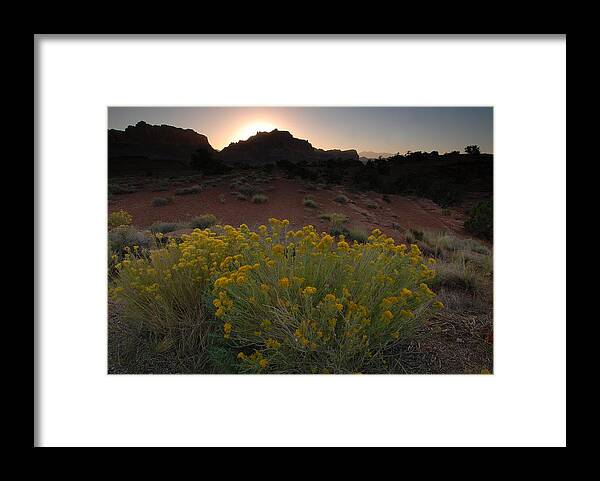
275	300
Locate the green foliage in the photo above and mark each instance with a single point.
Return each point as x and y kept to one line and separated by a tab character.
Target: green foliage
480	220
259	199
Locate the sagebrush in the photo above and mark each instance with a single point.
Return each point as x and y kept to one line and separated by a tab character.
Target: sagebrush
277	300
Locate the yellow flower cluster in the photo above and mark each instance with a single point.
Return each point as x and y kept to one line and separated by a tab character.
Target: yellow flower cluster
305	293
299	299
119	218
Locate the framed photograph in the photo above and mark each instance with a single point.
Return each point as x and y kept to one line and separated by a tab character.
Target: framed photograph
332	241
264	254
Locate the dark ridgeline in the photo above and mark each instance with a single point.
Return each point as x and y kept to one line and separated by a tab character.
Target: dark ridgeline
271	147
145	148
450	178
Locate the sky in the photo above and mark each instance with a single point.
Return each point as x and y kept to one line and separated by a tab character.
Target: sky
376	129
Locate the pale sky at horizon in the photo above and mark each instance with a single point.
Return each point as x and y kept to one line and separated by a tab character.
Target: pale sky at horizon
378	129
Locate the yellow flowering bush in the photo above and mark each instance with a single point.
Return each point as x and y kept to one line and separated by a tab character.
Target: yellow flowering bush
119	218
164	293
308	303
280	300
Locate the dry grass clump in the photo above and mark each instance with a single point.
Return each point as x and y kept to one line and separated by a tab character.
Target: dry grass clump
259	199
161	201
203	221
249	190
164	227
309	202
120	189
334	217
341	198
194	189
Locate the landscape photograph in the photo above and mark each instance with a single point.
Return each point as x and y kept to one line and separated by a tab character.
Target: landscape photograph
300	240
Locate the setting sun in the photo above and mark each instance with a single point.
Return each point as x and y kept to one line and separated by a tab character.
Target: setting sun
251	129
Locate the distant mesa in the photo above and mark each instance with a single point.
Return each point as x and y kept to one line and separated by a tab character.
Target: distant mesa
150	147
155	142
270	147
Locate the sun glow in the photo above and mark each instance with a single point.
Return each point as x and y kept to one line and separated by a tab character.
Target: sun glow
251	129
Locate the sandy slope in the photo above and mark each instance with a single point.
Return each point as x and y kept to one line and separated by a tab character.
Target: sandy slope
285	202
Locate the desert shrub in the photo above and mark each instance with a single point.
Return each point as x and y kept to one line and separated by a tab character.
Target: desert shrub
315	306
457	275
203	221
342	199
336	224
160	187
164	227
356	234
248	190
259	199
462	301
414	235
240	196
126	238
161	201
447	243
371	204
334	217
119	189
480	220
194	189
310	203
286	301
119	218
351	233
222	198
453	243
386	198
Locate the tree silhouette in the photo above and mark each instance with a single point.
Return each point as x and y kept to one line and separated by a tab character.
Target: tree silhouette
472	149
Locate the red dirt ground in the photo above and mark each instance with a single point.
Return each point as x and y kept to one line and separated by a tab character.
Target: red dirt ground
285	202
